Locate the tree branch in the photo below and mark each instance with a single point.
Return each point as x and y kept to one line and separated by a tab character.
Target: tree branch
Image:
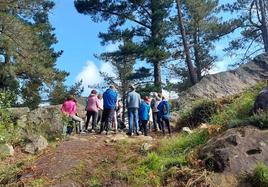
124	16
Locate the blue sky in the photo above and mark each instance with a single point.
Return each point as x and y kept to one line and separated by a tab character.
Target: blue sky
78	38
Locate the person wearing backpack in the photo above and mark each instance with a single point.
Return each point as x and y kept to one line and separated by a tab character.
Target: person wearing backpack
93	105
164	114
154	103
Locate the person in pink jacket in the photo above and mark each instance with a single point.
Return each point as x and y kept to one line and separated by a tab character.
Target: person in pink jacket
93	105
69	108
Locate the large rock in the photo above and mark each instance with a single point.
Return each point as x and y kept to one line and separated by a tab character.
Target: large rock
261	102
19	111
227	83
46	121
237	150
37	143
6	150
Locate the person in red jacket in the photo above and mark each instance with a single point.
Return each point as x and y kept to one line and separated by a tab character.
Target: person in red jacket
93	105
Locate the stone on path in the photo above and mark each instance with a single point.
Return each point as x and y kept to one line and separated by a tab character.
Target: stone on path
187	129
37	143
6	150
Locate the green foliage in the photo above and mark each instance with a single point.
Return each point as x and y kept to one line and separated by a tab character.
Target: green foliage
60	92
238	109
259	176
38	183
201	112
94	182
146	21
9	133
249	17
9	173
7	99
27	55
171	152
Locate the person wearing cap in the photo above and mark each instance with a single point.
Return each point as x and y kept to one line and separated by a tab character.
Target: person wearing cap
93	105
144	112
164	114
109	106
133	104
69	108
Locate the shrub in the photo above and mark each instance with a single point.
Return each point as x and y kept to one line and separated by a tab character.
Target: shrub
200	112
9	133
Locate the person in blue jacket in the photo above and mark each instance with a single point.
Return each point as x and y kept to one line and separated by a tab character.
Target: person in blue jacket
164	114
109	106
144	112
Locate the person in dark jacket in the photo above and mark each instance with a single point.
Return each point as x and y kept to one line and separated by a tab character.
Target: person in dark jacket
133	104
164	114
109	105
144	112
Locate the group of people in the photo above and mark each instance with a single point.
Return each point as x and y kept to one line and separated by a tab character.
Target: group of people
107	107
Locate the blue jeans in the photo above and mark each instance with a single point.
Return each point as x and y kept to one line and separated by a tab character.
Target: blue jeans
133	117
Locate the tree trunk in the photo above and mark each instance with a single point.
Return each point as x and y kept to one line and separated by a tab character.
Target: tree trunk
197	57
157	75
191	70
264	25
7	56
154	38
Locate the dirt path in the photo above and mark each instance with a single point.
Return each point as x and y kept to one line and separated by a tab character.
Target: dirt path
85	160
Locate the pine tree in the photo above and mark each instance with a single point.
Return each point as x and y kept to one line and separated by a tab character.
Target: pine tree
147	20
200	27
26	40
253	26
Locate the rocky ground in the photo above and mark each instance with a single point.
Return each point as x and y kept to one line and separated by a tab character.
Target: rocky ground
84	160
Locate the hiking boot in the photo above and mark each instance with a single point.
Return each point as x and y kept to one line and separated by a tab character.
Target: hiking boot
108	132
82	132
103	132
92	131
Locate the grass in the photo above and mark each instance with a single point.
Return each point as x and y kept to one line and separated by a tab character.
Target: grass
259	176
38	183
172	152
8	174
237	110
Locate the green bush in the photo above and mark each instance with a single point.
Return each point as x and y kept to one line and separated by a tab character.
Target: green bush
259	176
8	131
200	112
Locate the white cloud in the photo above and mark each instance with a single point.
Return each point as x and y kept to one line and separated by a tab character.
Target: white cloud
106	67
222	65
91	76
